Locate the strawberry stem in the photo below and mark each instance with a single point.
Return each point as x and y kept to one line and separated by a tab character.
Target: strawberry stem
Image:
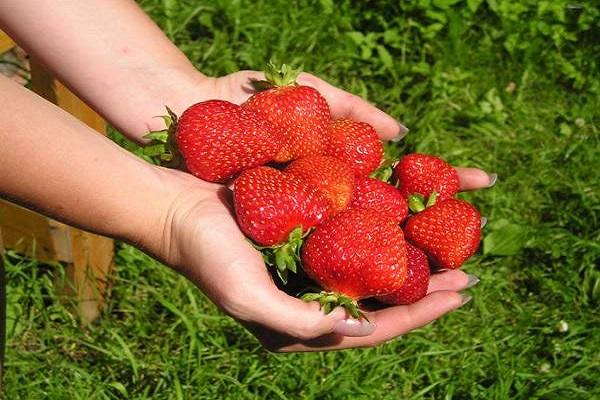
286	256
385	170
277	77
415	202
330	300
431	200
163	142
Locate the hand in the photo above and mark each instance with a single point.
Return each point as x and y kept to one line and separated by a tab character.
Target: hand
201	240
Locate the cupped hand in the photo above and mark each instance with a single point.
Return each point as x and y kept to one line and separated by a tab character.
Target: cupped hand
201	240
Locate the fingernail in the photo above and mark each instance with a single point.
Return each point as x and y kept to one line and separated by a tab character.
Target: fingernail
442	270
493	179
354	327
465	298
473	280
403	132
483	221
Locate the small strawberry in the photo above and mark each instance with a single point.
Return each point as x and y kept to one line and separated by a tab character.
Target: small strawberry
381	196
333	177
424	174
276	210
356	143
448	231
301	112
218	139
417	279
355	255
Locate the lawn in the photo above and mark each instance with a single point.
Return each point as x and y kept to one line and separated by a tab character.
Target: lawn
512	87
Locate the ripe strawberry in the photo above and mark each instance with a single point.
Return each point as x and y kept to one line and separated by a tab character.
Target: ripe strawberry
424	174
380	196
333	177
356	143
448	232
299	111
417	279
275	209
218	139
356	254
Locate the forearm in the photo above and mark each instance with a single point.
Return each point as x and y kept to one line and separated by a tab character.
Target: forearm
57	165
109	53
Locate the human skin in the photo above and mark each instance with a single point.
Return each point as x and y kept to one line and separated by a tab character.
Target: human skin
58	166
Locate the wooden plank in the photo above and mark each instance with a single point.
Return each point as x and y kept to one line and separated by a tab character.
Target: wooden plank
29	233
6	43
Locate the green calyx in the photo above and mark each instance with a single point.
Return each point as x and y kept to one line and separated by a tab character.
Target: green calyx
385	170
331	300
286	256
416	202
277	76
163	144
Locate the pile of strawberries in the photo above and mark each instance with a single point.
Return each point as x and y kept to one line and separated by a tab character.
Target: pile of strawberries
303	194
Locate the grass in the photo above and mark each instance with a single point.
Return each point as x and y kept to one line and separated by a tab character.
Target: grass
471	92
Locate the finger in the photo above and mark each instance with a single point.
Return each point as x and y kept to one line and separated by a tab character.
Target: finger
347	105
455	280
391	322
305	320
474	178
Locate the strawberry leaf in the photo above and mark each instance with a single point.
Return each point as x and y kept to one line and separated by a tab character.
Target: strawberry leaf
286	256
330	300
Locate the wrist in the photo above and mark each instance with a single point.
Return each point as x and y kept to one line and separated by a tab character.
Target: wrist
175	197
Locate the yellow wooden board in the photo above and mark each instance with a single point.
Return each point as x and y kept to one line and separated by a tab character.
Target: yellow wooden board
6	43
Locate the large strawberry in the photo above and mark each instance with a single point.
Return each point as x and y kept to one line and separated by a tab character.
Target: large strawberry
449	232
301	112
424	174
381	196
218	139
355	255
276	210
417	279
333	177
356	143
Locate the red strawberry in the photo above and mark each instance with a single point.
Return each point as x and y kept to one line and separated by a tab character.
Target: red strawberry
270	204
299	111
356	143
357	254
381	196
276	209
333	177
218	139
424	174
417	279
448	232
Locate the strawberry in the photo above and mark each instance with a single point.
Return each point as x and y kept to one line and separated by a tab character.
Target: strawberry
424	174
381	196
301	112
333	177
417	279
218	139
275	210
448	232
356	254
356	143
